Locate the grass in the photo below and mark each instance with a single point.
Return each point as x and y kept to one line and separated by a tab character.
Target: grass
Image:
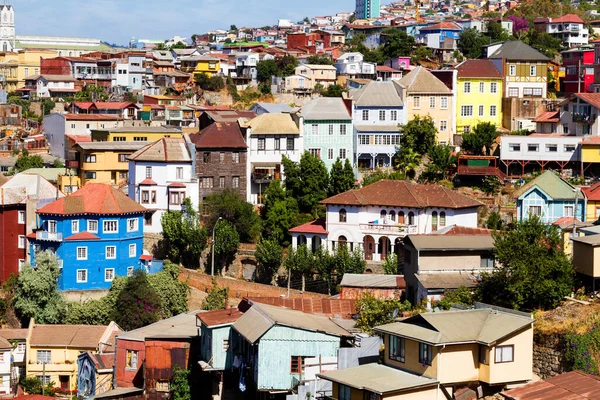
567	318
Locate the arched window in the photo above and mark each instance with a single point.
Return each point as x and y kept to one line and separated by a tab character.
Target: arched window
392	215
4	18
411	218
401	217
382	215
342	241
434	221
342	215
442	219
5	47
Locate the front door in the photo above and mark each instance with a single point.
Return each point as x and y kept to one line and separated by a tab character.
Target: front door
64	382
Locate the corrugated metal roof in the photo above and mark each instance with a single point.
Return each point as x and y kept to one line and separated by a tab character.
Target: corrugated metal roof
450	280
163	150
379	93
373	281
551	184
22	186
103	146
182	326
378	378
452	242
325	108
517	50
574	385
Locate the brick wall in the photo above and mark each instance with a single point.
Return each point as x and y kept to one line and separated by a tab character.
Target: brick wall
216	169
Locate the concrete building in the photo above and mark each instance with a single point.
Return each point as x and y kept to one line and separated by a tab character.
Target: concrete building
366	9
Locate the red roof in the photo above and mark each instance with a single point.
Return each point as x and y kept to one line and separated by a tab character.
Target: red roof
148	182
444	25
317	226
590	140
566	221
95	199
93	117
173	108
84	105
466	231
113	105
333	308
570	18
79	138
548	116
385	68
590	98
146	257
403	194
33	397
592	192
574	385
31	236
83	236
219	135
176	185
478	69
219	317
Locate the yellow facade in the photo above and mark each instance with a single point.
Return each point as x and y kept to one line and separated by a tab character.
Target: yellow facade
483	98
208	67
428	393
17	66
104	166
586	259
590	153
135	135
438	107
592	212
63	364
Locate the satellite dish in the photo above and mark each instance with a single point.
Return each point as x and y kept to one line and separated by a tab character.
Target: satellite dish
395	313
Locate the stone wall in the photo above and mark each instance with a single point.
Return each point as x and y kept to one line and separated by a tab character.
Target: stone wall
548	356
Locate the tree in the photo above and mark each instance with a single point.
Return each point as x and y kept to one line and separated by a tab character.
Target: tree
463	295
520	26
279	212
390	265
544	42
318	59
227	241
265	69
480	140
300	260
379	174
422	53
216	299
26	161
496	32
341	177
233	28
173	293
442	160
37	293
334	90
269	256
397	43
407	161
230	206
180	382
531	269
325	266
286	65
419	134
178	45
306	181
47	106
373	312
348	262
138	303
184	238
471	42
210	83
160	46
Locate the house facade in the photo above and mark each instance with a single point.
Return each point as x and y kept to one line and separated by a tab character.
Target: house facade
570	28
324	75
97	233
7	380
105	162
328	129
161	176
45	86
353	65
94	373
18	340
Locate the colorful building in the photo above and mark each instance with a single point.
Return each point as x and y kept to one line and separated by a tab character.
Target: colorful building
105	162
16	66
578	64
135	134
592	197
97	233
478	95
197	65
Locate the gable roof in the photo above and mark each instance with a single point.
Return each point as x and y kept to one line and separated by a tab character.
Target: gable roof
76	336
517	50
574	385
420	80
104	361
317	226
379	93
182	326
403	194
260	318
590	192
548	117
94	199
272	124
380	281
219	136
333	308
590	98
551	184
229	115
219	317
23	186
478	69
325	108
444	25
569	18
484	326
13	334
52	78
163	150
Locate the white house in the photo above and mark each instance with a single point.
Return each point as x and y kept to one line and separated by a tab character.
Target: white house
6	370
18	340
51	85
161	176
354	66
570	28
245	65
377	217
269	138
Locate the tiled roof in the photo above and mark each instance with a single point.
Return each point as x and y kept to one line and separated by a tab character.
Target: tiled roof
229	115
570	18
79	138
113	105
590	98
333	308
548	116
77	336
478	69
385	68
94	199
444	25
219	136
592	192
93	117
148	182
52	78
84	105
12	334
403	194
570	223
455	230
590	140
273	124
83	236
379	281
102	361
317	226
574	385
420	80
219	317
325	108
163	150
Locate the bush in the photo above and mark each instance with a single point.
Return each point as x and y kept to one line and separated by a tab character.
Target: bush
581	349
205	82
463	295
216	299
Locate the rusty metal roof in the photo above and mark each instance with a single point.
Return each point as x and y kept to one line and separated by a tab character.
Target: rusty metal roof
382	281
574	385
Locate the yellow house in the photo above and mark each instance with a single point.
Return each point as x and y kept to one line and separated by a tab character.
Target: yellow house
16	66
435	353
135	134
479	95
105	162
196	65
52	350
586	256
426	95
592	198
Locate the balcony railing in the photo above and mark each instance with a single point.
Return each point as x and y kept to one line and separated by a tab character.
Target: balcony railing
390	228
262	178
584	117
49	236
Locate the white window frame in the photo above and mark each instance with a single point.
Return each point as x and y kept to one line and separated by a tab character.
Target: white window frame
89	225
365	115
84	279
109	222
533	70
84	255
330	154
432	101
130	271
467	87
381	115
108	278
21	217
134	252
466	111
493	111
502	355
444	102
493	87
22	243
481	110
568	211
481	87
114	253
512	70
75	226
136	224
443	125
416	102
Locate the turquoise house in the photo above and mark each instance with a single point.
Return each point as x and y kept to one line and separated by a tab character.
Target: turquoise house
216	345
328	130
550	197
275	341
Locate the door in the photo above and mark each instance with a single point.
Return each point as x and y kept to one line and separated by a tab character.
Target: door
64	382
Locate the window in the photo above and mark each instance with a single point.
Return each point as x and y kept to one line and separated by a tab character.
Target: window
513	92
145	197
342	129
416	102
261	144
330	154
481	110
345	392
483	354
467	87
111	252
44	357
363	139
382	115
90	158
140	139
537	92
481	87
129	271
514	147
132	250
235	182
552	148
235	157
466	111
330	129
89	175
535	210
342	154
528	92
424	354
314	129
342	215
505	354
206	157
20	347
494	87
434	221
566	129
493	110
277	143
131	359
512	70
92	226
443	125
21	217
122	158
532	70
179	170
110	226
176	198
444	103
148	172
109	274
568	211
290	144
487	261
411	218
442	218
225	345
82	275
82	253
206	182
401	217
296	364
365	115
21	241
396	348
533	147
315	152
132	225
569	148
162	386
432	102
44	379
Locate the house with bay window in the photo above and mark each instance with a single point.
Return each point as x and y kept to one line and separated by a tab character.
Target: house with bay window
161	176
97	233
449	354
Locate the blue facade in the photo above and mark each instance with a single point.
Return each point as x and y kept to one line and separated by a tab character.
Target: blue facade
92	249
536	201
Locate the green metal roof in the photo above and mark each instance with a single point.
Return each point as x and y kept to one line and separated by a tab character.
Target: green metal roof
551	184
101	47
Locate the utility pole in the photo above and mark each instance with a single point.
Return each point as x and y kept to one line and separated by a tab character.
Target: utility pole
43	375
212	265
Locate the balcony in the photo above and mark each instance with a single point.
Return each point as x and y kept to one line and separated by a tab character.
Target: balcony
389	229
262	178
584	118
49	236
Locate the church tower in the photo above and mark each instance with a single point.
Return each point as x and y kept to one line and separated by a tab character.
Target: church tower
7	27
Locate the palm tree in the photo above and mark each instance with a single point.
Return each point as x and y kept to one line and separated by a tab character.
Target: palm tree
408	161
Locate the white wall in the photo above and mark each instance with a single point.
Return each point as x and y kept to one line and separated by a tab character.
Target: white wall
542	154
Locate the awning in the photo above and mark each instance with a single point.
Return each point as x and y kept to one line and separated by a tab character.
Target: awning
177	185
146	257
148	182
378	128
265	165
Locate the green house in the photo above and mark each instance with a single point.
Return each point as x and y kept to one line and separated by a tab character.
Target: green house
216	347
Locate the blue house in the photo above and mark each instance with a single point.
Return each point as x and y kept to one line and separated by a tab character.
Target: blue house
97	234
549	197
